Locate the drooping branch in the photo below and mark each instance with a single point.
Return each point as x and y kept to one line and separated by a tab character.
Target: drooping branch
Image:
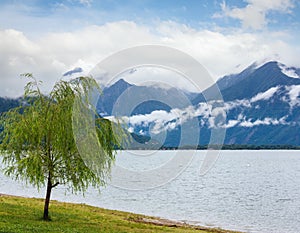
38	142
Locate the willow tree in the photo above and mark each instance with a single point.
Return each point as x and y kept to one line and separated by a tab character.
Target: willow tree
38	145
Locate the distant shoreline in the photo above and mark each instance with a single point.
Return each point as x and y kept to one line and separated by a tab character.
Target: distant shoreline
220	147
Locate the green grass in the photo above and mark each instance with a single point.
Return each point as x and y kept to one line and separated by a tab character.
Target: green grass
18	214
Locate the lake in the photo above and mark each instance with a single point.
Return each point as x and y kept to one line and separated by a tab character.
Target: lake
251	191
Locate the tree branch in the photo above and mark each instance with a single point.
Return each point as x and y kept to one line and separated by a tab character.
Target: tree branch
57	183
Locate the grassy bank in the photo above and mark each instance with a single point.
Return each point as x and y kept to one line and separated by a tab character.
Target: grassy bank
18	214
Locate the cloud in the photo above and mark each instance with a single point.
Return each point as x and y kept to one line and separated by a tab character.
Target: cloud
254	14
264	95
86	2
50	55
241	121
213	117
161	120
237	103
231	123
159	77
266	121
164	121
247	103
222	52
21	55
293	95
288	71
213	114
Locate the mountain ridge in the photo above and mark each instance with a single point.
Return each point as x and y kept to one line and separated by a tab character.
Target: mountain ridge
260	107
263	109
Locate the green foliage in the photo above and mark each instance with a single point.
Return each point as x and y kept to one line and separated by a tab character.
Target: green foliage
38	144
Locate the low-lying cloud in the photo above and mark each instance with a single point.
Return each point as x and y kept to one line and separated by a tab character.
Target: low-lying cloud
293	95
264	95
266	121
212	114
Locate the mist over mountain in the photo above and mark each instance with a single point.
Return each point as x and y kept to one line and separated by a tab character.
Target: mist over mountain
260	107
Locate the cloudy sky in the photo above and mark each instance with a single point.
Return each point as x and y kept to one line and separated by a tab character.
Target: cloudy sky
49	38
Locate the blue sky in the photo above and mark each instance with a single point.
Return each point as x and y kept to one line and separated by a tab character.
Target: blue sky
49	38
198	14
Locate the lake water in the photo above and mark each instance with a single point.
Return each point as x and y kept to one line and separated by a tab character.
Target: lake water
251	191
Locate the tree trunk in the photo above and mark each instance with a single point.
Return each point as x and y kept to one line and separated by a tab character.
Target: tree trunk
47	199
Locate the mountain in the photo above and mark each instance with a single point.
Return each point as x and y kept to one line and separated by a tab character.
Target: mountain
260	80
110	95
251	81
74	71
224	83
261	107
268	118
120	96
8	103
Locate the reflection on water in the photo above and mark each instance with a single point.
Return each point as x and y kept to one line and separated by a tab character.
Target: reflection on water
252	191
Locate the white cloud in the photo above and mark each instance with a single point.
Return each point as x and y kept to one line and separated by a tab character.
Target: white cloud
213	114
237	103
254	14
214	117
290	72
293	95
164	120
50	55
159	77
21	55
86	2
161	120
223	53
130	129
264	95
266	121
231	123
